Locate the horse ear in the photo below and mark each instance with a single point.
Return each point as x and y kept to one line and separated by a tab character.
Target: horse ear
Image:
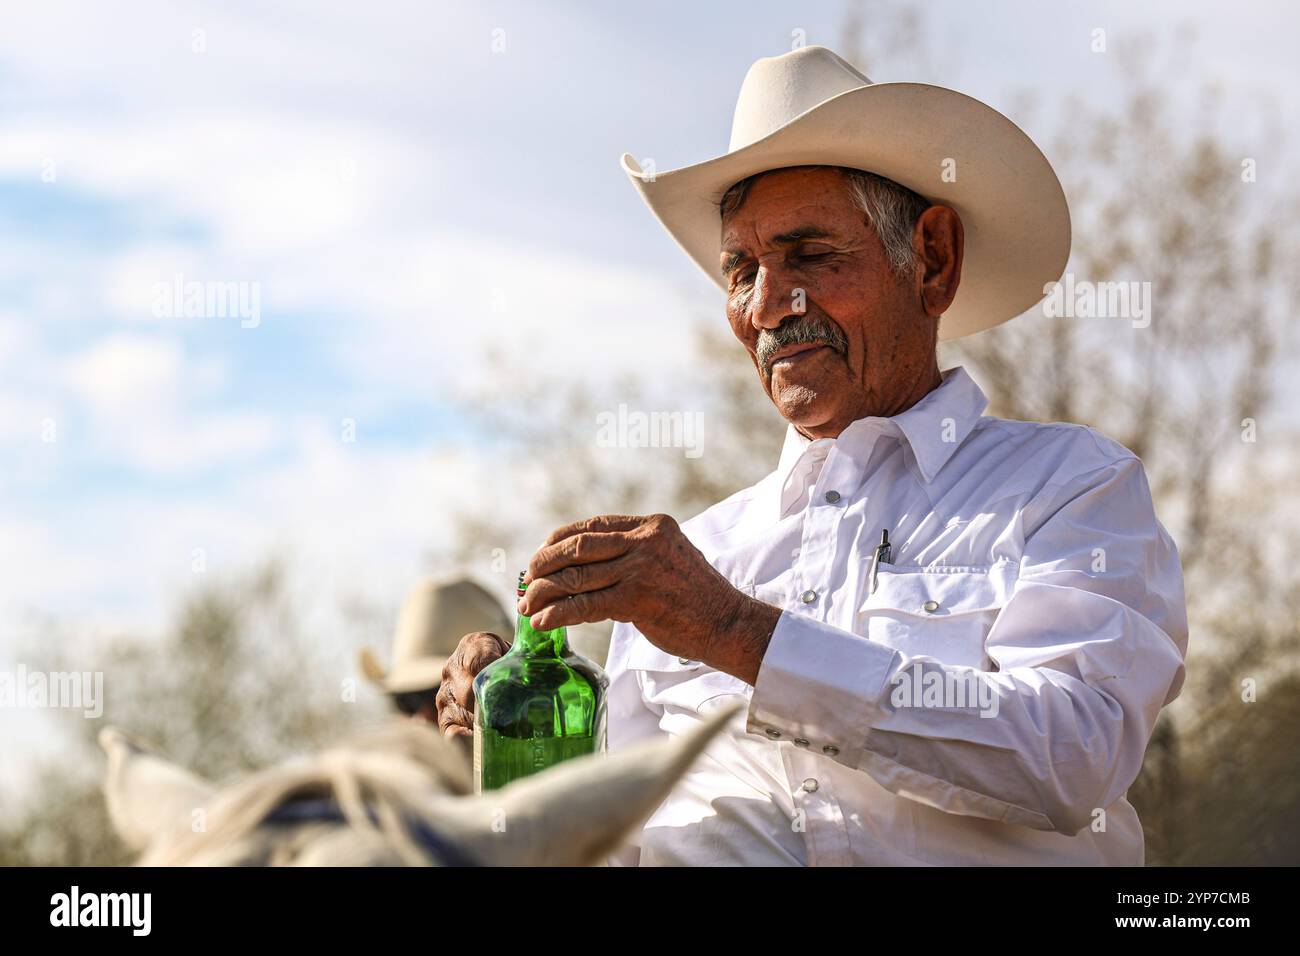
147	795
577	813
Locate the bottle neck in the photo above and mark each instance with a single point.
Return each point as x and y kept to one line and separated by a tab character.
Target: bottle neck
534	643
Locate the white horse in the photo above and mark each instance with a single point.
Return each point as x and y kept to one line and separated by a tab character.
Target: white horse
396	795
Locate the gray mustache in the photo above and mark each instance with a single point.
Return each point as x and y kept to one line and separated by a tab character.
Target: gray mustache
797	333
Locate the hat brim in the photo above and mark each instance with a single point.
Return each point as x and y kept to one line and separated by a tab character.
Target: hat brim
1014	213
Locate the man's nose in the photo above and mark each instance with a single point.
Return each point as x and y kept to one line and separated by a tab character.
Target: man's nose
773	300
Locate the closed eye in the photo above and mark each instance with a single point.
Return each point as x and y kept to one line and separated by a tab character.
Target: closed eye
742	277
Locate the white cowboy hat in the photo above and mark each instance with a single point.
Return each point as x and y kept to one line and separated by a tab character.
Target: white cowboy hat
811	108
437	613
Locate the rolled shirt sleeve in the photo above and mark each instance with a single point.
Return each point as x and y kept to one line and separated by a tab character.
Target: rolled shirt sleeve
1087	649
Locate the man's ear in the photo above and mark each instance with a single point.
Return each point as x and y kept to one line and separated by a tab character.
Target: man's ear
147	795
938	240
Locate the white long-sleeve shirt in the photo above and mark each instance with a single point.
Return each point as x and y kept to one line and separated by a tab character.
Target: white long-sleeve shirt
1034	605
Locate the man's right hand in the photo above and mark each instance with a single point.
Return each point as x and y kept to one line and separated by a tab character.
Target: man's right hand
456	694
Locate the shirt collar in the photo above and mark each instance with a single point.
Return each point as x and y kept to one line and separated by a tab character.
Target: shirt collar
932	429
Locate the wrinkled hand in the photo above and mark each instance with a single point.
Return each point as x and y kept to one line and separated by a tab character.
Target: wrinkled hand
644	570
456	693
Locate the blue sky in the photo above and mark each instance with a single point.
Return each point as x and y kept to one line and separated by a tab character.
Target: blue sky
404	197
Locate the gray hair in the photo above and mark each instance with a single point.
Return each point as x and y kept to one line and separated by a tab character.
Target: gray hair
890	209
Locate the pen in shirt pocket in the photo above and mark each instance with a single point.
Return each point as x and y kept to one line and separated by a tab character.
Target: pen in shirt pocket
882	556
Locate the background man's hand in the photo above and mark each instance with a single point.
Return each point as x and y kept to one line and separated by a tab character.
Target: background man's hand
644	570
456	693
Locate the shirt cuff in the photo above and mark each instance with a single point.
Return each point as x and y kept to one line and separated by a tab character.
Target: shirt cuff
820	687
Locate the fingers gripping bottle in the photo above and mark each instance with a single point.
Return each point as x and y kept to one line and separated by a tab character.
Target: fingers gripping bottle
538	704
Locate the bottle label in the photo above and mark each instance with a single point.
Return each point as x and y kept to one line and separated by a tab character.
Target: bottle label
478	759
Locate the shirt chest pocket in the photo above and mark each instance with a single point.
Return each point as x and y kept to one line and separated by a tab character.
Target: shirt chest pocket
680	683
942	613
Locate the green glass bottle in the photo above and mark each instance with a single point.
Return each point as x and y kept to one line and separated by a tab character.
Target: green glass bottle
538	704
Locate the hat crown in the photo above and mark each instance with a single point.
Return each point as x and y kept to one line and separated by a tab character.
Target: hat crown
438	613
779	88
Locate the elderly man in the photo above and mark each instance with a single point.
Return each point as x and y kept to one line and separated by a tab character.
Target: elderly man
954	632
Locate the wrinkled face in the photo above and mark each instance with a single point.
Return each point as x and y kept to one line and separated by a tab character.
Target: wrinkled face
799	251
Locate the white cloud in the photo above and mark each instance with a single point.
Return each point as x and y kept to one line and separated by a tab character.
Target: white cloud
140	393
125	374
351	518
434	303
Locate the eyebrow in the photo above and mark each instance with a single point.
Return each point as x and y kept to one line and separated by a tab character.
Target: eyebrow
733	258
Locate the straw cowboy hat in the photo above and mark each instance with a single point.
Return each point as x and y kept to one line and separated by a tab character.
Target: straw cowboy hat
436	615
811	108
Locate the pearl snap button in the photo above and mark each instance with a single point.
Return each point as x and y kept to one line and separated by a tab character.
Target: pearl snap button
810	785
931	606
830	750
832	497
772	732
808	597
800	742
683	660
